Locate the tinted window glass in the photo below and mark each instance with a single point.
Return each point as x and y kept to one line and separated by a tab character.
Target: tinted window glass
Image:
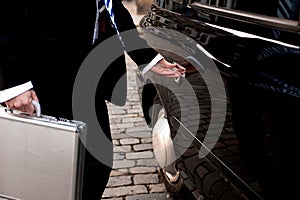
287	9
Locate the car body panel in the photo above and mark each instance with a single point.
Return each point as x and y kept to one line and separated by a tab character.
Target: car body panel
231	114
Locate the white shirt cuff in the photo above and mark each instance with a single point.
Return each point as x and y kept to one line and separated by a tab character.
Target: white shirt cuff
152	63
10	93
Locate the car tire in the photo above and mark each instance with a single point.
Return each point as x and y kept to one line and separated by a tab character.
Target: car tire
169	171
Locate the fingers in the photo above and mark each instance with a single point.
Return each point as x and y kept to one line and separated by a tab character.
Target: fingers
23	102
168	71
167	64
181	69
34	96
29	108
171	65
163	71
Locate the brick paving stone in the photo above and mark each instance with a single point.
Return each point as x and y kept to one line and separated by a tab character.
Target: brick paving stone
134	111
119	135
119	181
114	120
119	164
122	125
124	191
116	142
129	141
117	111
157	188
142	170
118	172
147	162
154	196
139	155
141	124
137	129
145	179
136	119
113	116
119	156
123	148
142	147
146	140
140	134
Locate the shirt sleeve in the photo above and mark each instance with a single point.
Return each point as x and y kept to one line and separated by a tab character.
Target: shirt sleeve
10	93
152	63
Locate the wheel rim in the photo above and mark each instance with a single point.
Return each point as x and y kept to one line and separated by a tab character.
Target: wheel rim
163	147
171	173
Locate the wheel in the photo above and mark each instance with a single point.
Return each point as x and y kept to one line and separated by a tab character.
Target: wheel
164	150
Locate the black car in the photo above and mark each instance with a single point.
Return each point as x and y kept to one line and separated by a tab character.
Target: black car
228	128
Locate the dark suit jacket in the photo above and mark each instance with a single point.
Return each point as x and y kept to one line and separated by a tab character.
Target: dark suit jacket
46	41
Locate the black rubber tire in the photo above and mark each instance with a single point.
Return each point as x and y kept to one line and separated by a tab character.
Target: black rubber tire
174	187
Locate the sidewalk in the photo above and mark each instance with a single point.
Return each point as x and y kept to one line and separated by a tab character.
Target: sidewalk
135	172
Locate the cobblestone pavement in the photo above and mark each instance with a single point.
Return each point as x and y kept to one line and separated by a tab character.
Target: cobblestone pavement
135	172
135	175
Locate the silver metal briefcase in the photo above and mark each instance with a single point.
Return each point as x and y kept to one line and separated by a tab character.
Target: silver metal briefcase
41	157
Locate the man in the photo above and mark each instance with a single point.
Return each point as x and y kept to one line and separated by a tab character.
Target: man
42	45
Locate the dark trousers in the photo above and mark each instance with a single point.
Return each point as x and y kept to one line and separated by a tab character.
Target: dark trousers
96	175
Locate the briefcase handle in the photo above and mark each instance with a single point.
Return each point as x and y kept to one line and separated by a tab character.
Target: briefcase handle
37	108
36	105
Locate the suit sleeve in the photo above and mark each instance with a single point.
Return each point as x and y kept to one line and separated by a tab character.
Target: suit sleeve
125	22
12	23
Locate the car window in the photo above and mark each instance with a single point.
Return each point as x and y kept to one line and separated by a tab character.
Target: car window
286	9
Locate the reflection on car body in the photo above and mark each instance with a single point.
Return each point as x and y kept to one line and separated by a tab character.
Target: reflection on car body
227	129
